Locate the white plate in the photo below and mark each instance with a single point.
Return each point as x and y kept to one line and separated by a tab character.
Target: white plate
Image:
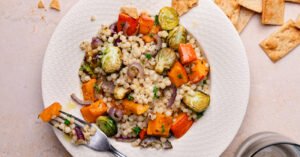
226	54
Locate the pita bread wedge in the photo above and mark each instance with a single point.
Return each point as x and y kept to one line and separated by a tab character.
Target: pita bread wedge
280	43
183	6
254	5
41	4
131	11
295	1
298	22
54	4
244	18
273	12
231	8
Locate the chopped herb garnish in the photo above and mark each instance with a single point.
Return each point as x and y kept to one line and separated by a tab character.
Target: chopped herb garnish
156	22
136	130
130	97
67	122
87	68
163	128
179	76
97	88
151	35
204	82
199	115
155	90
148	56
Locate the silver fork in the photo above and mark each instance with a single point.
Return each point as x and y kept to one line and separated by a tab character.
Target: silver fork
98	142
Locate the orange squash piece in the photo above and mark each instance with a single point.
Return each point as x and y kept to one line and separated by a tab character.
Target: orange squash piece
50	111
160	126
148	38
91	112
146	23
181	125
88	90
187	53
199	70
178	75
132	107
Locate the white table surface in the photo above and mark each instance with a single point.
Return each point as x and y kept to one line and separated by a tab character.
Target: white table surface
274	99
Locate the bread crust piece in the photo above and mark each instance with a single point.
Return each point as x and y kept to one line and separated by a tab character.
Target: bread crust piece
244	18
231	8
295	1
254	5
183	6
281	42
273	12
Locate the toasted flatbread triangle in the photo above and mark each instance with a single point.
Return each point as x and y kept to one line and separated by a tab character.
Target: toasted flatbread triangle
295	1
244	18
41	4
231	8
54	4
255	5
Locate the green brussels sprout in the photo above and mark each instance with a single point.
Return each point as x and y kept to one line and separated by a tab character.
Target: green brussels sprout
176	37
107	125
120	92
165	59
111	60
168	18
197	102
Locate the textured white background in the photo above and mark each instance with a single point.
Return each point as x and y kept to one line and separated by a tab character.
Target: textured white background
274	98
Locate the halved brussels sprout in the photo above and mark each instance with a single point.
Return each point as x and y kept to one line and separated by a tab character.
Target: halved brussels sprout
165	59
120	92
197	102
168	18
112	59
176	37
107	125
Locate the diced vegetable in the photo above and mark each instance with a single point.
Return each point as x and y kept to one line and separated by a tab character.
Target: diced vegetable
120	92
164	60
52	110
176	37
155	29
160	126
181	125
199	70
132	107
112	59
131	22
178	75
198	102
146	23
187	53
91	112
88	90
148	38
168	18
142	134
107	125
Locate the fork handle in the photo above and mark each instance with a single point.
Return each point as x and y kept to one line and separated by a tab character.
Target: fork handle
114	151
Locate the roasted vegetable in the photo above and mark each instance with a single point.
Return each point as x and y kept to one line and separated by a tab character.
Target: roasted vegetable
199	70
165	59
187	53
107	125
168	18
132	107
198	102
127	24
160	126
146	23
91	112
181	125
48	113
178	75
120	92
88	90
112	59
142	134
176	37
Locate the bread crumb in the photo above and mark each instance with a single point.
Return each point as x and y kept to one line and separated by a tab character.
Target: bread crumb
54	4
41	4
93	18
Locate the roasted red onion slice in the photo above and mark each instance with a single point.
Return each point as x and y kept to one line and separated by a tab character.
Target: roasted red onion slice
173	95
79	133
115	114
108	86
79	101
135	69
96	42
113	27
158	42
125	28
